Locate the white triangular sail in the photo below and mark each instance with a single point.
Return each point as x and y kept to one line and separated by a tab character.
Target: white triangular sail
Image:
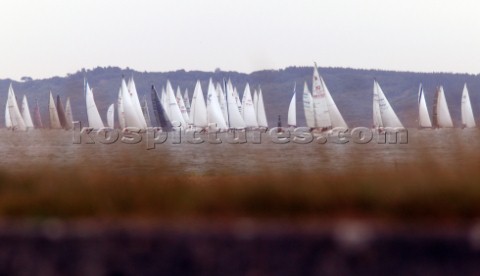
186	100
198	109
15	115
322	115
255	102
441	114
94	119
130	113
27	118
68	115
261	115
111	115
52	110
234	118
383	113
175	114
238	100
292	109
248	109
214	112
120	111
336	117
181	105
423	117
8	120
132	89
146	111
222	101
468	119
308	107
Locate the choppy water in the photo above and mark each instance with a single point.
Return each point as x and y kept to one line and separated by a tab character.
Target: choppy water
23	150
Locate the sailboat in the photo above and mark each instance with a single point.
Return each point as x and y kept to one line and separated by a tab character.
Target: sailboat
68	115
8	120
181	105
326	113
37	117
423	117
383	114
308	107
52	110
468	119
61	113
248	109
222	100
441	114
159	112
186	100
292	109
175	114
145	111
260	109
94	119
234	119
26	113
110	116
132	119
121	113
132	91
214	112
198	109
15	115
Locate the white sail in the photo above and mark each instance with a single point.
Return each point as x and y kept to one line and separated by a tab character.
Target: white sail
214	112
222	101
261	115
110	116
336	117
308	107
94	119
248	110
52	109
15	115
132	89
27	118
186	100
181	105
468	119
68	115
423	117
441	114
234	118
120	112
322	115
292	109
164	102
383	113
237	99
175	114
130	114
146	111
8	120
198	109
255	102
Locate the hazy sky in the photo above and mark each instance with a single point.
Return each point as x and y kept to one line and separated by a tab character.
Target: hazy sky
45	38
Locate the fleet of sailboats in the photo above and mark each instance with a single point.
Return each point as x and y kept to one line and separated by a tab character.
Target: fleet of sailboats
223	109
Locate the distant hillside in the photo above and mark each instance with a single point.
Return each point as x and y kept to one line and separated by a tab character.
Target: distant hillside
350	88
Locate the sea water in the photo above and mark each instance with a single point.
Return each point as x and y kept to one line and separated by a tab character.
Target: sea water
58	149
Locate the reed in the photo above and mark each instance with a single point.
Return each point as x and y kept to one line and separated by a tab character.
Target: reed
421	191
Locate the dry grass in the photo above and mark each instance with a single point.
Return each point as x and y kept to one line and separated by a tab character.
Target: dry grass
421	191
